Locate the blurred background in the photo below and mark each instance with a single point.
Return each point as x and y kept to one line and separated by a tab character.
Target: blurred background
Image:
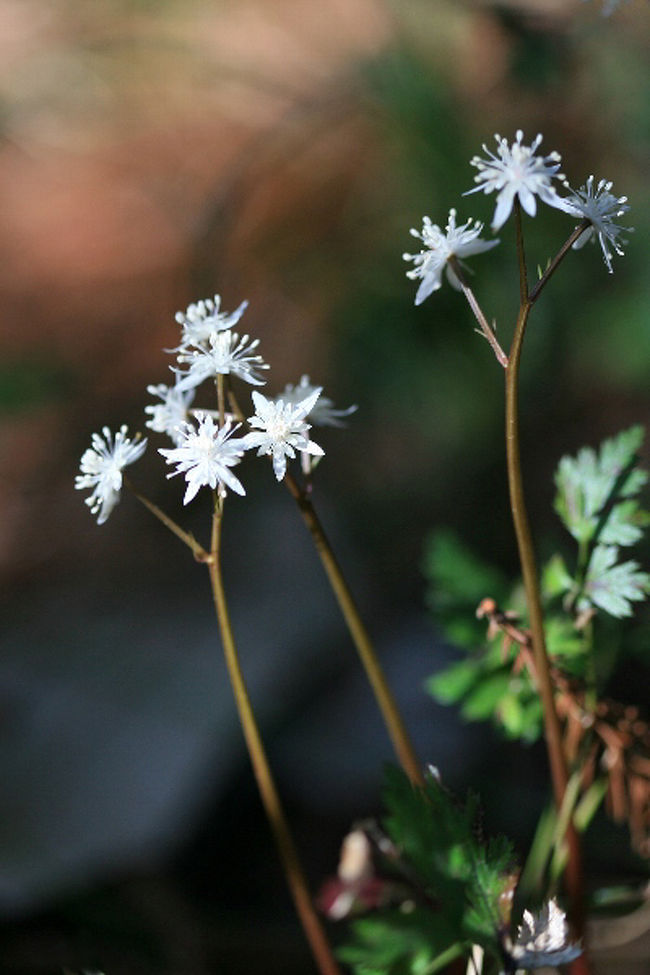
155	153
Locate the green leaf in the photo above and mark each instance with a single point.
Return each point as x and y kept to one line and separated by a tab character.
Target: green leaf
512	715
613	587
458	581
591	487
452	684
456	879
555	578
396	941
624	525
482	701
562	637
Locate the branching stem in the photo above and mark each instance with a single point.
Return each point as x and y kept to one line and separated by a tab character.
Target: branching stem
186	537
484	329
552	727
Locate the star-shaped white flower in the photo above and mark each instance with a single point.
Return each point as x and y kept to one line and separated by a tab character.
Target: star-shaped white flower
281	430
227	354
101	469
515	170
440	246
601	207
202	318
543	939
323	414
169	415
205	455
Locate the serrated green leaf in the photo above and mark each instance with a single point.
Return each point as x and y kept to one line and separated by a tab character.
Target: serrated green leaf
462	877
591	482
613	587
623	525
391	941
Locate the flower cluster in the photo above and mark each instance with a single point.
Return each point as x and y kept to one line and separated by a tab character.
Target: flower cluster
515	172
205	446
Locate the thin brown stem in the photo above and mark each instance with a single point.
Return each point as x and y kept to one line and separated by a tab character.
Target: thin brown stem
310	921
484	328
552	727
186	537
387	705
221	399
557	260
521	255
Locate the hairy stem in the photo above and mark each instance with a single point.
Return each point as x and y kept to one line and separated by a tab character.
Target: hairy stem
390	712
310	921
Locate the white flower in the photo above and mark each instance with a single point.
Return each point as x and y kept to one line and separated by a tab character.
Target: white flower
517	171
205	455
227	355
441	245
203	318
543	939
601	207
323	414
101	469
282	430
170	415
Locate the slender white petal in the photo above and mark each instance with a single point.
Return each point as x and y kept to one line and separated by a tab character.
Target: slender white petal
169	415
227	354
323	413
515	170
543	939
280	429
439	247
601	207
101	469
202	318
204	456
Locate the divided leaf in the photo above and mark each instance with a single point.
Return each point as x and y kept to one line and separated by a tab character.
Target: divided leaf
592	489
456	880
596	501
613	587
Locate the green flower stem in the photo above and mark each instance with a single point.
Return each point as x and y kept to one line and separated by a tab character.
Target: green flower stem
387	705
311	924
552	727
